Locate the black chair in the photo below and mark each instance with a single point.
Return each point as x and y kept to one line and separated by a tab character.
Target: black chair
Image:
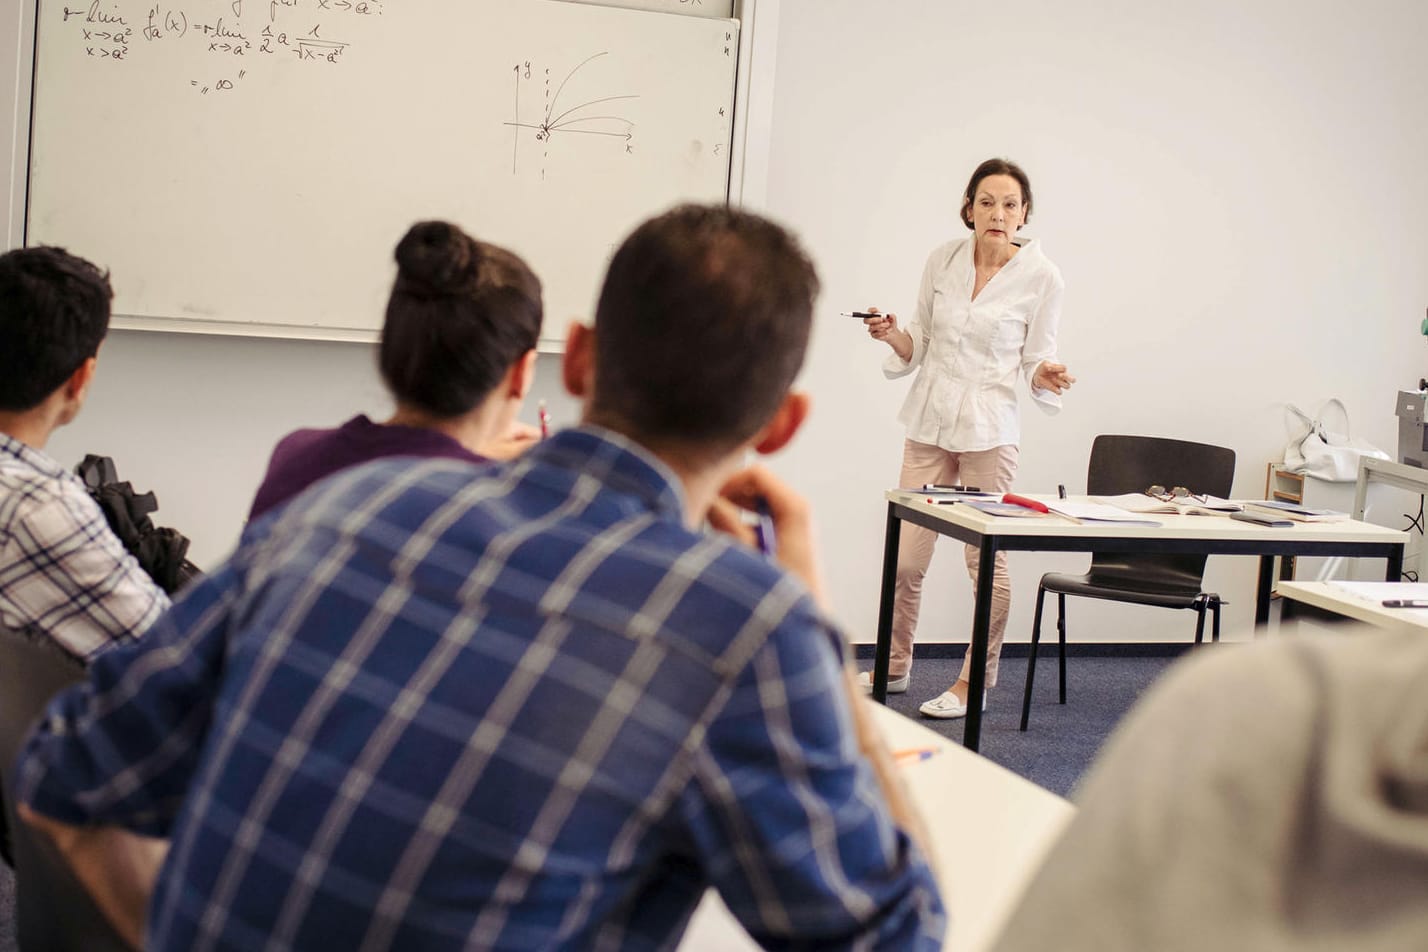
1132	464
53	910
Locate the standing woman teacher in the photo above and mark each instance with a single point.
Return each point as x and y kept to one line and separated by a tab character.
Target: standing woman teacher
987	312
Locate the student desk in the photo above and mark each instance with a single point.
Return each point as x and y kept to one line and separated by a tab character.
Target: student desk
1341	600
1207	535
972	808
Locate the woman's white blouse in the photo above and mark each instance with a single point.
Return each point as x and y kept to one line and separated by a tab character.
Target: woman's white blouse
968	353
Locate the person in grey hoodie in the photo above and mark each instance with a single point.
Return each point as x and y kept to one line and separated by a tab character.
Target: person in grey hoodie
1268	797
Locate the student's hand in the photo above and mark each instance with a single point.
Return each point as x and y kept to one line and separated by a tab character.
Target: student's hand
884	327
515	441
117	867
792	521
1052	376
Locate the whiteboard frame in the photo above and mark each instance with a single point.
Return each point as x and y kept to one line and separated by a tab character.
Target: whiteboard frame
21	117
748	165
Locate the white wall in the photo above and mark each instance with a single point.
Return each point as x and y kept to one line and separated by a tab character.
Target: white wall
1234	191
1233	194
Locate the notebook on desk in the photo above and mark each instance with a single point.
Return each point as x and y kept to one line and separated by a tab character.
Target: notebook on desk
1293	510
993	507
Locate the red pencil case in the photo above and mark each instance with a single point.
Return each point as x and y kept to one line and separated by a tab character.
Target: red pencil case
1016	500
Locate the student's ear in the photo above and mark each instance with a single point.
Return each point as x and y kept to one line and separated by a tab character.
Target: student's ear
577	370
74	390
785	423
77	386
522	375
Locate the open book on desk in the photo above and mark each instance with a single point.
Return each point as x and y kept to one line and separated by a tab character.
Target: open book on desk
1140	502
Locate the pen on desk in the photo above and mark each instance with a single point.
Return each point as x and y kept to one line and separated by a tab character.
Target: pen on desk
544	415
1405	603
941	502
1060	491
764	531
914	755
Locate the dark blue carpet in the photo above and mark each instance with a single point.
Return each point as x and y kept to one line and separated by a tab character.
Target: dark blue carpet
1061	740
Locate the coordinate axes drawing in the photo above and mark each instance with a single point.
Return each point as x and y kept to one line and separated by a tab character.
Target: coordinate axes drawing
556	121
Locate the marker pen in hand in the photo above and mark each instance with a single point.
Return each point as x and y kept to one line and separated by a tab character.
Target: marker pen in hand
544	420
860	315
764	531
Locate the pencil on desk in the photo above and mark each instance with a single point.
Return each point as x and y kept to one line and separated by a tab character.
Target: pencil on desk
914	755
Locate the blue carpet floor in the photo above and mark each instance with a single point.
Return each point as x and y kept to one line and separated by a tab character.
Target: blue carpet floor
1061	740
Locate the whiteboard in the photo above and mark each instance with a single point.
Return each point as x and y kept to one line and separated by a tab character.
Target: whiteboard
248	167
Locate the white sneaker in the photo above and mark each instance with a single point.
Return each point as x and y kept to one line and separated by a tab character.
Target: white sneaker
947	706
895	685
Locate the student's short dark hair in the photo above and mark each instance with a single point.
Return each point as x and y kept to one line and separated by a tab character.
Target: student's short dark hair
995	167
54	313
701	328
460	314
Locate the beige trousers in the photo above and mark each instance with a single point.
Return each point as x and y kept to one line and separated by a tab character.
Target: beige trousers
991	470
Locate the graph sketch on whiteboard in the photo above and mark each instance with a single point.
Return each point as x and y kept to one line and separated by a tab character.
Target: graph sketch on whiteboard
565	113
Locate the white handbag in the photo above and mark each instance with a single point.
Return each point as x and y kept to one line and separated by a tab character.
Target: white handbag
1315	450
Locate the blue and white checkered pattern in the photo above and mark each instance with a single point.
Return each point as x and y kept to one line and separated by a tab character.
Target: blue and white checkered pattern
63	573
438	706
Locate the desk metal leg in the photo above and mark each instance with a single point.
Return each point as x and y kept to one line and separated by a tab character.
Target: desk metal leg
981	627
1394	570
885	607
1262	591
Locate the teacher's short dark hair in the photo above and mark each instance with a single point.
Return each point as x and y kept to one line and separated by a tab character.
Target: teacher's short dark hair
460	314
995	167
701	327
54	313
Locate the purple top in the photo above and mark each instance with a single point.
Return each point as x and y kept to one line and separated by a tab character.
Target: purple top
304	457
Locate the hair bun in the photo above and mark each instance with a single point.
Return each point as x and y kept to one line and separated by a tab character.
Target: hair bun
437	257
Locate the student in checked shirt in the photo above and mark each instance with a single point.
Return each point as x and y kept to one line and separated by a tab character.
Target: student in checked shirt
987	313
64	575
439	706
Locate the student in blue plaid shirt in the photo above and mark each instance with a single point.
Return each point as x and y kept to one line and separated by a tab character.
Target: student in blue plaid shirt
431	705
64	576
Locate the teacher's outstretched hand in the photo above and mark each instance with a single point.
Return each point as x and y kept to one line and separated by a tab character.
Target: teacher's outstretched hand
1052	376
884	327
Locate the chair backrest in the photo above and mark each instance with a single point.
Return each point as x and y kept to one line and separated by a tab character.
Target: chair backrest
52	909
1131	464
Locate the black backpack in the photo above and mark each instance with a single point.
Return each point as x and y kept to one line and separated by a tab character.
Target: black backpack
161	551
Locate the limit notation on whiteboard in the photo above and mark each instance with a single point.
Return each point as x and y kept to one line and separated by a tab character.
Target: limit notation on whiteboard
261	157
309	31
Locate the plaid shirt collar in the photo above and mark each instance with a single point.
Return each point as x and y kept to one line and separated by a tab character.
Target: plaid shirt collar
37	460
620	463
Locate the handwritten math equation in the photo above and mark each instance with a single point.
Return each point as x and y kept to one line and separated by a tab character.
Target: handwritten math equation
236	34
